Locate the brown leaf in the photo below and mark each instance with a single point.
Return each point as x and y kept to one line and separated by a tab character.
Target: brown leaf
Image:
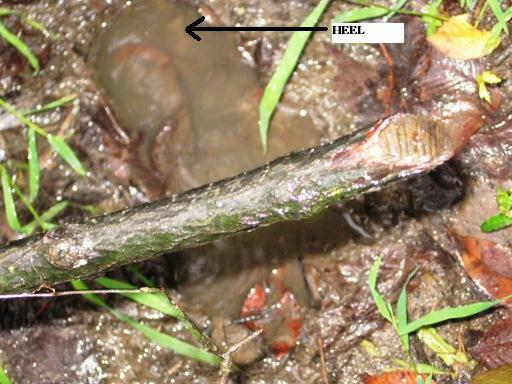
495	348
394	377
458	39
489	265
502	375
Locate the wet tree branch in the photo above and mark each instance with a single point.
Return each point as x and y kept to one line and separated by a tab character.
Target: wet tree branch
291	187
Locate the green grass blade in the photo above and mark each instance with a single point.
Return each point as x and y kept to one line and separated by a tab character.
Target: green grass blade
358	14
495	6
13	111
138	274
449	313
399	4
156	301
79	285
88	208
470	4
4	379
159	338
194	330
20	46
17	164
275	87
47	216
432	23
39	27
495	223
54	210
52	105
161	302
10	207
166	341
34	172
496	30
401	311
373	11
6	11
30	208
377	297
67	154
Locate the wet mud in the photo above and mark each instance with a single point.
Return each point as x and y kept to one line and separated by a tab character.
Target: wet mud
160	113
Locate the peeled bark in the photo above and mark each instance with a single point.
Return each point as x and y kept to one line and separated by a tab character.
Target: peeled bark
291	187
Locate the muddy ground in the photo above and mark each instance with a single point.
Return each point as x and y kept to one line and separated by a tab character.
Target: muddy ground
159	113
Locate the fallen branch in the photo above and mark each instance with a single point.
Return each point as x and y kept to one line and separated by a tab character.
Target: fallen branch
292	187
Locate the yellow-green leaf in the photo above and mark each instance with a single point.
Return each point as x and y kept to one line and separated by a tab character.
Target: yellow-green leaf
446	352
457	38
384	309
486	77
501	375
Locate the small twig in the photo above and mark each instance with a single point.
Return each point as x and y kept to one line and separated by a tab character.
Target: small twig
71	293
479	10
390	78
242	342
227	358
175	368
320	343
192	327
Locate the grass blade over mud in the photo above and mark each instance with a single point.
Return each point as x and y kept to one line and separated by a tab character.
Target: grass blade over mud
450	313
162	339
10	207
20	46
4	379
68	155
156	301
52	105
275	87
33	165
58	144
161	302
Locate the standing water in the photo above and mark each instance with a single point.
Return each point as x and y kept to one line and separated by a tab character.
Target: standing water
190	108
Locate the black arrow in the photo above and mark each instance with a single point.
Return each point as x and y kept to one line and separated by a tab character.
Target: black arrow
192	27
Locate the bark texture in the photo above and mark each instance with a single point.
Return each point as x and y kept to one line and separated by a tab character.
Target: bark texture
289	188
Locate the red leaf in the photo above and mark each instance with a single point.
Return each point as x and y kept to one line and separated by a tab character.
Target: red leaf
495	348
395	377
253	305
289	330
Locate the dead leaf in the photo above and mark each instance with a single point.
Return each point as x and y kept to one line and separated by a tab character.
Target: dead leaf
394	377
502	375
272	307
446	352
458	39
489	265
495	348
